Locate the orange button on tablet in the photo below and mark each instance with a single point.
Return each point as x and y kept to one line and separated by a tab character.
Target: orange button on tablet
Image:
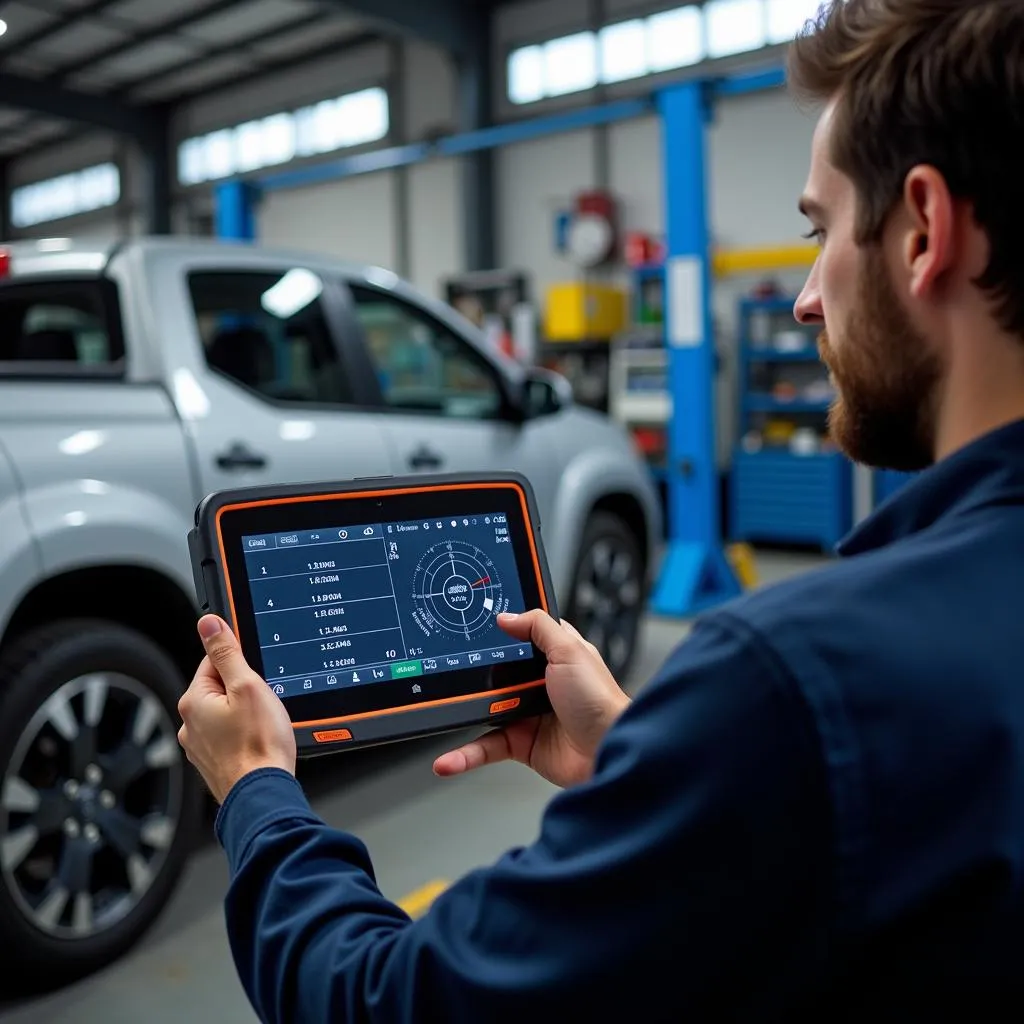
333	736
504	705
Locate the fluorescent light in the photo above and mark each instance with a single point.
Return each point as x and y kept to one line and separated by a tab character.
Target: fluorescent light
624	51
675	39
734	26
3	26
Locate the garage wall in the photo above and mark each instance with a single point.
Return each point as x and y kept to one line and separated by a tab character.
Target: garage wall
758	153
362	218
436	235
353	220
534	180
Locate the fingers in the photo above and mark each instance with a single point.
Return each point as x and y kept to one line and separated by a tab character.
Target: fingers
541	630
580	637
223	651
489	749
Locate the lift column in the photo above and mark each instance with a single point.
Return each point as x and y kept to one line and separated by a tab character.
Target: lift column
696	574
235	210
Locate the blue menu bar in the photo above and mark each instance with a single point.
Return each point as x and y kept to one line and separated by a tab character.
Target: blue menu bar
305	538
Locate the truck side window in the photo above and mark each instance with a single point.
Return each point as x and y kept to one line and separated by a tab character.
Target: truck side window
420	364
267	331
59	326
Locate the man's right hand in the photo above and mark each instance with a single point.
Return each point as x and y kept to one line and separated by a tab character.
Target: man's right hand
585	697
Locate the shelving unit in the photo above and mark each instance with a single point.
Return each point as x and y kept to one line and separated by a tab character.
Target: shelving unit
640	396
789	482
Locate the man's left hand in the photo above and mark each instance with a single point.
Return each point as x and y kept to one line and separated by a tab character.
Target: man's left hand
232	722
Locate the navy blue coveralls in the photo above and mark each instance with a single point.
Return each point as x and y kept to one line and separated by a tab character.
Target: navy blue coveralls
815	811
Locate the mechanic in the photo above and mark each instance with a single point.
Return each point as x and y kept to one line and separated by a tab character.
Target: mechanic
816	809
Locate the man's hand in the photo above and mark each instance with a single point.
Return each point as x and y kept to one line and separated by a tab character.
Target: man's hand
233	722
585	697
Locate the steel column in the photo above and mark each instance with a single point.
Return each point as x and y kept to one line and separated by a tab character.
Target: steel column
695	574
478	195
235	211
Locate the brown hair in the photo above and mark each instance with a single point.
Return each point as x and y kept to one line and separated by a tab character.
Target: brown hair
936	82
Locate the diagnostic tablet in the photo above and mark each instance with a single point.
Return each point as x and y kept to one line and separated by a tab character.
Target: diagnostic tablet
370	606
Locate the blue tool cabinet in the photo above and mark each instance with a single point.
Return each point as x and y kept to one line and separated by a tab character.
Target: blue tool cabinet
789	484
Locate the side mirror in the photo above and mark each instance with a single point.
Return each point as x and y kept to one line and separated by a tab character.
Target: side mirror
545	393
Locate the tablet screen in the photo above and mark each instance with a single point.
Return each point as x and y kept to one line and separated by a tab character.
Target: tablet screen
350	606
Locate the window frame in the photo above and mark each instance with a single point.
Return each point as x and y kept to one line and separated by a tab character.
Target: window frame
109	307
332	302
507	410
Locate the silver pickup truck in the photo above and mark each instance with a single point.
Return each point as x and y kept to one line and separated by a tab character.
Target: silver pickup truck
134	379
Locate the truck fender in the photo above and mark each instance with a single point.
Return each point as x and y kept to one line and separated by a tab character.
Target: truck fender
593	475
20	564
83	523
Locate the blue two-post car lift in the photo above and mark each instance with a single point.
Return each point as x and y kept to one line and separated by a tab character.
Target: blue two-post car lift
696	574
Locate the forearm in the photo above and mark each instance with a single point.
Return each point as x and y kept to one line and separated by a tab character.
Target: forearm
309	930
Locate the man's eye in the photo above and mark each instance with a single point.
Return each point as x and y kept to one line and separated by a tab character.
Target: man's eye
816	235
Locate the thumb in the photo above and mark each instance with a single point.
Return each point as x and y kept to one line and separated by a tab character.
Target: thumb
543	631
224	653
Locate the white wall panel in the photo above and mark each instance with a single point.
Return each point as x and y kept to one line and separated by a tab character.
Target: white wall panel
430	92
535	180
536	20
352	219
636	175
436	246
759	152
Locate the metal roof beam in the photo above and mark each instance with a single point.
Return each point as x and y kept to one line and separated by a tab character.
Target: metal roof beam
56	101
166	30
445	23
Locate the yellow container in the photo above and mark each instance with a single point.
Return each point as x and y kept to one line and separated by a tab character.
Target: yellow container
575	311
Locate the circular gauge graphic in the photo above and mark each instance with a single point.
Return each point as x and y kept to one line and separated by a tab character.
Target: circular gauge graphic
457	589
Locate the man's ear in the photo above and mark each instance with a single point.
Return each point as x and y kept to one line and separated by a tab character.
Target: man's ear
928	228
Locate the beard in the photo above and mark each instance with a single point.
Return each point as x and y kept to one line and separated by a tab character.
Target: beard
887	380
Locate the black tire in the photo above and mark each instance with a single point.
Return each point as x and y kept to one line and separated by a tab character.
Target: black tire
608	591
88	711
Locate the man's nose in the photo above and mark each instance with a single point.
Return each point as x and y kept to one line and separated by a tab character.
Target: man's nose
808	309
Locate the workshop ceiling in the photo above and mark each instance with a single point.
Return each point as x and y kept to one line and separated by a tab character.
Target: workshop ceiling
137	53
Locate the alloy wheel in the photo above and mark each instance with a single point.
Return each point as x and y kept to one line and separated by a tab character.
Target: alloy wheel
608	600
90	805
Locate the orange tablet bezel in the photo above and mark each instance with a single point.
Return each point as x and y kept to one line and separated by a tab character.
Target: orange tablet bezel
388	493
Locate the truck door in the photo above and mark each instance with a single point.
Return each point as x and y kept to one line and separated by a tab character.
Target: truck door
279	406
448	407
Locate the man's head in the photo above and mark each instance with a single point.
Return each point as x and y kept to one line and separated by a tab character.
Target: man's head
916	194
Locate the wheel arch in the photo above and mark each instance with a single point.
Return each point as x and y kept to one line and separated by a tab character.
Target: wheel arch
600	481
138	597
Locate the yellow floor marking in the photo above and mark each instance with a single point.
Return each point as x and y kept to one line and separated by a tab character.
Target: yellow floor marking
418	902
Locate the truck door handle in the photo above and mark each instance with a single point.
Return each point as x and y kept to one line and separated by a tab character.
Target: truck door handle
239	456
424	458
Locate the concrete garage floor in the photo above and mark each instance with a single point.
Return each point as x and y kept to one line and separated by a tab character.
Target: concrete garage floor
422	832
